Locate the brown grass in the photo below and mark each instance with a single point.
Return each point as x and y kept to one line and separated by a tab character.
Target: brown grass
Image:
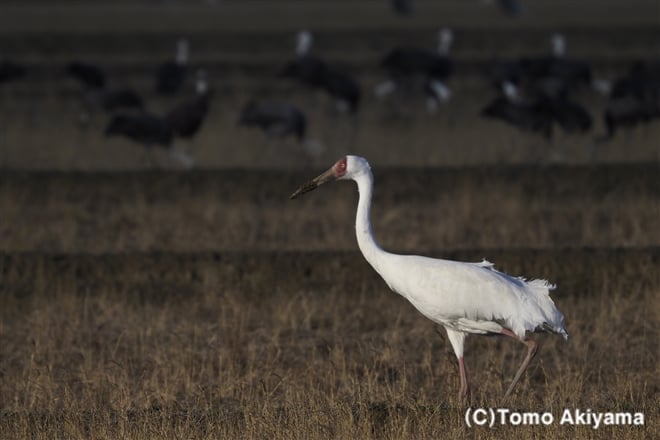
209	346
415	210
239	342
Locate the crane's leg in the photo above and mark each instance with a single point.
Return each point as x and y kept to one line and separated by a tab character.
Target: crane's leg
532	348
464	392
457	340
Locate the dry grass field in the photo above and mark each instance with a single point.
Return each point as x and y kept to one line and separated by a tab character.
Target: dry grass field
305	345
153	303
136	313
415	209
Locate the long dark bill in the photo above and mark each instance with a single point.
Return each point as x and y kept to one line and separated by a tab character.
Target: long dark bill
314	183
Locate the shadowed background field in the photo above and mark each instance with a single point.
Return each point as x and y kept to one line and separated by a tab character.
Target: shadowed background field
243	45
415	209
144	302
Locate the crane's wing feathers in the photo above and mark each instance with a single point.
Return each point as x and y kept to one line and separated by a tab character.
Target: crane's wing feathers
473	297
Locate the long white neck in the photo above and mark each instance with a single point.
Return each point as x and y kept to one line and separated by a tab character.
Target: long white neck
365	238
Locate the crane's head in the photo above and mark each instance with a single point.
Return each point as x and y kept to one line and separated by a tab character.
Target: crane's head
348	167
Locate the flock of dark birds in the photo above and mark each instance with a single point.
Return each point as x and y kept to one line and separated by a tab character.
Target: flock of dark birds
534	93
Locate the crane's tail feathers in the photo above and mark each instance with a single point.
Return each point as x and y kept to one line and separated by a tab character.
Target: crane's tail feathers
543	285
555	319
534	309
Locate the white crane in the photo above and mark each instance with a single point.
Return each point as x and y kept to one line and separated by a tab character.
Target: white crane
465	298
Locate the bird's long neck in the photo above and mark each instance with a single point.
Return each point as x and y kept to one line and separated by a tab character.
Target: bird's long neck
365	238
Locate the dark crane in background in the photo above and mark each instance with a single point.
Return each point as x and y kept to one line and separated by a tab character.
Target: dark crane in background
276	118
412	68
96	94
634	98
535	92
149	130
311	71
280	119
538	114
187	118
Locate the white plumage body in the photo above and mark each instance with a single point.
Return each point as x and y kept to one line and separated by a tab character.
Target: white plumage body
471	297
